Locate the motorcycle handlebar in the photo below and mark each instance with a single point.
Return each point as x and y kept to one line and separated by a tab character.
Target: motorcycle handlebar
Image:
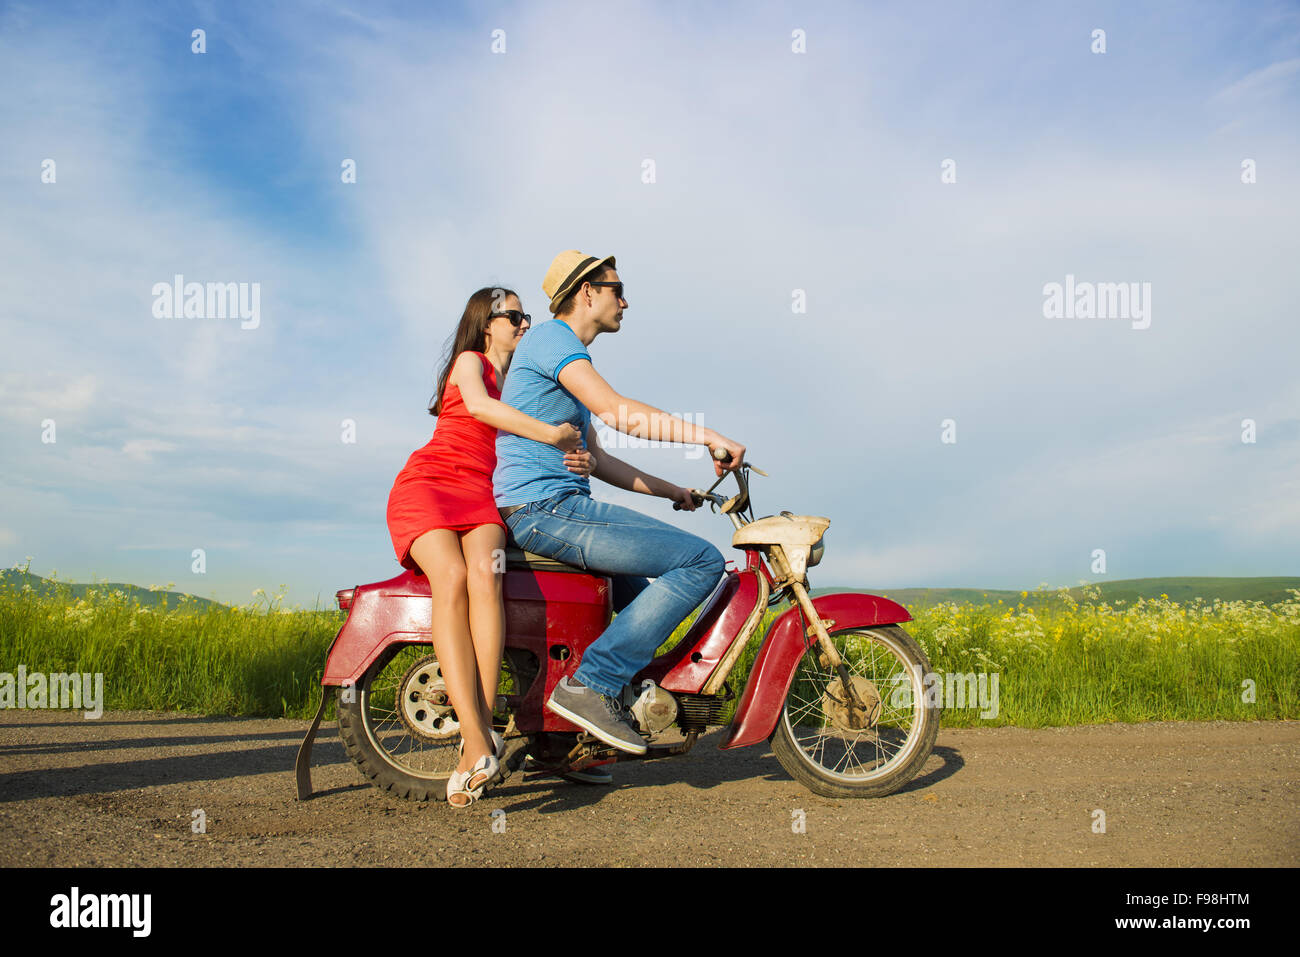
699	497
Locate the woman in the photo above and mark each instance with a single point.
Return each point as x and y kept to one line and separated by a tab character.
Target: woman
445	524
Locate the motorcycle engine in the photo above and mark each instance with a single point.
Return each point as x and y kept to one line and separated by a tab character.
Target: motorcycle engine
653	708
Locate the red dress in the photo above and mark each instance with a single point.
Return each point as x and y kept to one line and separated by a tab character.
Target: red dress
448	483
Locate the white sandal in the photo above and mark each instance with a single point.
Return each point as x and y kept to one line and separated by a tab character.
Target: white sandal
488	766
456	782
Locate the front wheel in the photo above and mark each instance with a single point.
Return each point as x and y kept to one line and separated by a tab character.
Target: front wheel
837	749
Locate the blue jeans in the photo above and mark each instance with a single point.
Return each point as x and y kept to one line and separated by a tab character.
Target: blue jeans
611	540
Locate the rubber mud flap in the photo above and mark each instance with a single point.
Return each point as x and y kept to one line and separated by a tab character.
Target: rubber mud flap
302	766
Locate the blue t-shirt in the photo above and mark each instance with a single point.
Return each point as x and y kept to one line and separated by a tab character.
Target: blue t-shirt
529	471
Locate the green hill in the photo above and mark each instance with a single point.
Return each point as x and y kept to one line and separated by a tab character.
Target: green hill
1268	590
16	578
1182	590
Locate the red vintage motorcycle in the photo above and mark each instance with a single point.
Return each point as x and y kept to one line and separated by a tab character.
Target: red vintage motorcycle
836	685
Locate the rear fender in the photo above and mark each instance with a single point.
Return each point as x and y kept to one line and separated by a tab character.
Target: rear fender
774	667
385	613
542	608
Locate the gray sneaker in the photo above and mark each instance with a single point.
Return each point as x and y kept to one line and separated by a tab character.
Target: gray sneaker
598	714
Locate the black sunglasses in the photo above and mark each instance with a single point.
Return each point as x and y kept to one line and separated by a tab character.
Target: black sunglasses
515	316
618	287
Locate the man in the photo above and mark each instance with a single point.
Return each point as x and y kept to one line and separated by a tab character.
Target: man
550	510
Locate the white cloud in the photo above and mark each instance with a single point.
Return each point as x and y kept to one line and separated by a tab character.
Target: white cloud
1263	82
30	396
143	449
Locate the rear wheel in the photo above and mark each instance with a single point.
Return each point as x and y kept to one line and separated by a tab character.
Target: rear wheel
399	727
837	750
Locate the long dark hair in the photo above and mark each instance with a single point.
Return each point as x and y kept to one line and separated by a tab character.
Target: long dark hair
471	334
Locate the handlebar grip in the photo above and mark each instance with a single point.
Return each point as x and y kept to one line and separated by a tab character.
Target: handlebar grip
696	496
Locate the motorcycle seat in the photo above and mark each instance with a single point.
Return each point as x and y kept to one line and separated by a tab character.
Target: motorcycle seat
519	559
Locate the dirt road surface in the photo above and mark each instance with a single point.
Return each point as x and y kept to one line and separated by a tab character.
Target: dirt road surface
122	791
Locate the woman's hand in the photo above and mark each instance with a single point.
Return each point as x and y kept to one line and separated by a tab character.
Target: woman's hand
581	462
567	438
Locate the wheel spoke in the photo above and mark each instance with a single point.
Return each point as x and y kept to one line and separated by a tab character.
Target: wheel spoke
803	709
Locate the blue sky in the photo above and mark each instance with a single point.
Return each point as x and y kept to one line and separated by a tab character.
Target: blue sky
775	171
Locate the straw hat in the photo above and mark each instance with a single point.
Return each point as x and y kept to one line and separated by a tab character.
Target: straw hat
566	273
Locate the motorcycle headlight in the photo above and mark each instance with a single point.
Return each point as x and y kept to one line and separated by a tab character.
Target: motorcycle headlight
815	555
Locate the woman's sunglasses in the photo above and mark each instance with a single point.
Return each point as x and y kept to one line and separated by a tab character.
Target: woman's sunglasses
515	316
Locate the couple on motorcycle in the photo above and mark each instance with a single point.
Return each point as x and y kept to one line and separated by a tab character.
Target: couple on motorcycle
453	502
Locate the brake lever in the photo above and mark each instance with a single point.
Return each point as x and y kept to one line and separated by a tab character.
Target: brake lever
702	497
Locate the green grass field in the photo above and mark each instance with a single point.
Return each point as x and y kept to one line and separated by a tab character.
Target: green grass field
1064	657
1268	590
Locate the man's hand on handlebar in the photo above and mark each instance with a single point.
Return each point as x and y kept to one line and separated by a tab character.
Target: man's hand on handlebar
684	500
727	455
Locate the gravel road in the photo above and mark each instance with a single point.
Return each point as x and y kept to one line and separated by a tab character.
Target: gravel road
122	791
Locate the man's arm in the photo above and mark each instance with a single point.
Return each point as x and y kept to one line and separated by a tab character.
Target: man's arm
637	418
621	475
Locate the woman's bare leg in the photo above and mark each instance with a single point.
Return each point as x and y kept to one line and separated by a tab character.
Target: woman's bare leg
438	553
484	549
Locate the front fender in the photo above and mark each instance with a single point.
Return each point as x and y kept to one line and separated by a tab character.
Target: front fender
773	670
